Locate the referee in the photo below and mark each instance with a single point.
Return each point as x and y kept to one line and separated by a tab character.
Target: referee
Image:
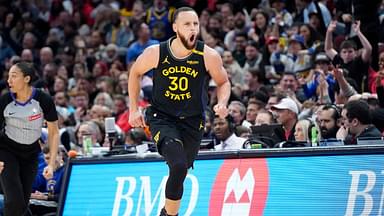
22	113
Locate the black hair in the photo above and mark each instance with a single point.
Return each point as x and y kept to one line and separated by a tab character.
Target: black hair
253	44
230	121
27	69
358	109
348	44
336	111
179	10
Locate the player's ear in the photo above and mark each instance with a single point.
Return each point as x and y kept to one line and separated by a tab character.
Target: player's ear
174	27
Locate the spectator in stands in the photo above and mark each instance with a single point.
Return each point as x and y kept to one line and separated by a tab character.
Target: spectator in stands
121	113
315	6
303	131
235	72
282	17
88	128
118	32
253	57
260	28
46	56
357	123
253	108
27	56
264	117
274	99
159	20
143	41
81	103
286	112
348	58
290	86
237	110
329	121
40	185
240	44
224	130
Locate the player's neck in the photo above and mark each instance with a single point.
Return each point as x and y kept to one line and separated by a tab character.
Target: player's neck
24	94
178	49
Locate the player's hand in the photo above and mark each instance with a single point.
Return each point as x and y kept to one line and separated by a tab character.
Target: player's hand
221	110
48	172
136	119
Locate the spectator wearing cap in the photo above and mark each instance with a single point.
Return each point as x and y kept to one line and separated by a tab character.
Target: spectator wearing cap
348	57
357	123
286	112
321	69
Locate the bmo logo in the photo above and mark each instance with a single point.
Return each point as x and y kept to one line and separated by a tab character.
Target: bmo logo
240	188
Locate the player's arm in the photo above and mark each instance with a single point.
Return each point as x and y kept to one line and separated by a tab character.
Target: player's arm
215	67
145	62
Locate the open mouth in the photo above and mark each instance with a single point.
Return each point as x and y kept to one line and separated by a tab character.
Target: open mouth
192	38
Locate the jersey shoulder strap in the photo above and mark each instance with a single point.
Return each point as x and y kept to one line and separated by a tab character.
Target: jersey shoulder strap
199	49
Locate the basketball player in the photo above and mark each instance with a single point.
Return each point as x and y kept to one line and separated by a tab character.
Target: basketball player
182	68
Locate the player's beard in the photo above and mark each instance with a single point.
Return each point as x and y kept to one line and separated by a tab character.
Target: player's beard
187	43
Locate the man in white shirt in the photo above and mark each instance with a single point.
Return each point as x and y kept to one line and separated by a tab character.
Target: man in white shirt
224	130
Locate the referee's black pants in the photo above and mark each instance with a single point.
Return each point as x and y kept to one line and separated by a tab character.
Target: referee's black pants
18	175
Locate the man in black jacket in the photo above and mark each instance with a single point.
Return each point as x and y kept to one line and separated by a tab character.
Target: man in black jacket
357	122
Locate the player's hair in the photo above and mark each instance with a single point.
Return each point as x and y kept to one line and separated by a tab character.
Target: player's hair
179	10
27	69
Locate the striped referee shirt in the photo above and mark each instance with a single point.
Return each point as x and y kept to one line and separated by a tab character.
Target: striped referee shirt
22	122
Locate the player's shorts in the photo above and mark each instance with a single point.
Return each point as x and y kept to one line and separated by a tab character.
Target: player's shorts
189	131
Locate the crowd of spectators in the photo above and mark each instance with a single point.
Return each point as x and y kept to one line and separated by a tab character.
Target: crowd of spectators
296	63
315	67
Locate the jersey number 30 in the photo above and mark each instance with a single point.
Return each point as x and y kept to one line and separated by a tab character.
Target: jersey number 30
178	83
